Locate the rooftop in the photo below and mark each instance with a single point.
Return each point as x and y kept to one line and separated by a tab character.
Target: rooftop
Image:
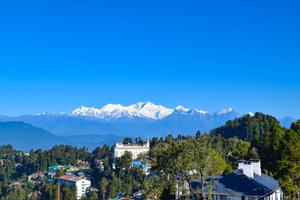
238	183
70	178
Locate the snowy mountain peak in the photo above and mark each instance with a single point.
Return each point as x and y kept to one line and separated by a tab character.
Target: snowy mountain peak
85	111
225	111
146	110
250	113
182	109
114	111
202	112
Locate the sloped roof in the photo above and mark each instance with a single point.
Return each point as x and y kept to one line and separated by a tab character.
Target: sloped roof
239	184
70	178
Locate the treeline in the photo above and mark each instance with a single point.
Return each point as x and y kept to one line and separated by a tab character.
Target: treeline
206	154
277	147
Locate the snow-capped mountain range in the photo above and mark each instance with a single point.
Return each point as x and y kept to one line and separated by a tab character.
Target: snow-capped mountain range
142	119
145	110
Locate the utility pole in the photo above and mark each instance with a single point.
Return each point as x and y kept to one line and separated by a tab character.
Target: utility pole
58	192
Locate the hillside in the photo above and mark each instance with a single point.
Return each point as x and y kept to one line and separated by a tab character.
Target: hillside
24	136
249	127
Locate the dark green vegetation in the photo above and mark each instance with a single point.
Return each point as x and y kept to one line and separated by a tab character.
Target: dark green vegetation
277	147
260	136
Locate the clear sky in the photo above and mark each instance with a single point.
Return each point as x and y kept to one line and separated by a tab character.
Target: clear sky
58	55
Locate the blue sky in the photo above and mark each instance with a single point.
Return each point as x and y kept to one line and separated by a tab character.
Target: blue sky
58	55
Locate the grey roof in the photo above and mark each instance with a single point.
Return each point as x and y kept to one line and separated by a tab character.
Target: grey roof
239	184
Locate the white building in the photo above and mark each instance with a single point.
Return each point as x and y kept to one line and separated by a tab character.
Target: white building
82	185
134	149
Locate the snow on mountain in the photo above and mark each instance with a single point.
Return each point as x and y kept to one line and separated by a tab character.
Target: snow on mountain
146	110
189	111
182	109
114	111
250	113
225	111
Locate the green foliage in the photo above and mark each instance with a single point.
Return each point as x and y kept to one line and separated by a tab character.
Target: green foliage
7	169
248	128
125	161
16	194
296	127
260	136
288	166
192	159
68	193
277	147
48	192
91	196
104	183
127	140
59	173
115	186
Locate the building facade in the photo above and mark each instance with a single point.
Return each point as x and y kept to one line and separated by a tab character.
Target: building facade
134	149
81	185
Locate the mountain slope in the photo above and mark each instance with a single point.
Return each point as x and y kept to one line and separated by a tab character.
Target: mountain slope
24	136
248	127
286	121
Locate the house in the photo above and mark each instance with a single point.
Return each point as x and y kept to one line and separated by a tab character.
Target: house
35	177
246	183
134	149
81	184
2	162
16	185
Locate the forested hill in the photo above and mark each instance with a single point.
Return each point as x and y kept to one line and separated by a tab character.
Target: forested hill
26	137
248	127
276	146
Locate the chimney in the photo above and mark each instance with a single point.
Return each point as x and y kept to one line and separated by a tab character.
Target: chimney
249	168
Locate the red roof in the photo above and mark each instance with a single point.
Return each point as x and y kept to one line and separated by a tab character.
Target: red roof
69	178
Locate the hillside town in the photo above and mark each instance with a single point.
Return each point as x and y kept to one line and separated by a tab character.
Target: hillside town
214	166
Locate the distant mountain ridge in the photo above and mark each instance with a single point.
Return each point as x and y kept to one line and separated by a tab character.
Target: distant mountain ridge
147	110
143	119
24	136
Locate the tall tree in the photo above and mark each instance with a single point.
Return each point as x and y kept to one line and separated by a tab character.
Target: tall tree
68	193
103	184
191	160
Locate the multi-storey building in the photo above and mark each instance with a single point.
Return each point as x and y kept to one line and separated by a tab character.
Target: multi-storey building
134	149
81	184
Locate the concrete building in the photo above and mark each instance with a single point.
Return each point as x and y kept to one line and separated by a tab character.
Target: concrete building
82	185
134	149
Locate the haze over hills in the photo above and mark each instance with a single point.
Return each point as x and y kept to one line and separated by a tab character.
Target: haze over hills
24	136
143	119
92	127
140	119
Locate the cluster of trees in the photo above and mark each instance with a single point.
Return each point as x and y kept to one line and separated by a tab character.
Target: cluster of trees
198	156
276	146
16	166
115	177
